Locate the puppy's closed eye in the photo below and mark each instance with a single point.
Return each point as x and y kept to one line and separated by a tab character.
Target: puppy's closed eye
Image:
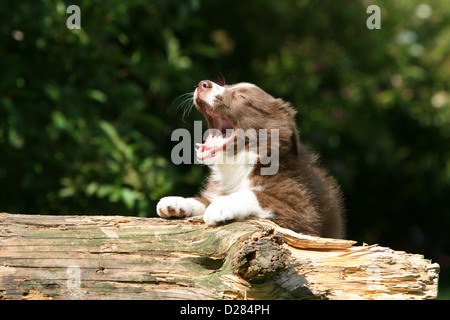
238	95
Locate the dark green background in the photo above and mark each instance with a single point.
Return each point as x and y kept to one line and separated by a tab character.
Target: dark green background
86	115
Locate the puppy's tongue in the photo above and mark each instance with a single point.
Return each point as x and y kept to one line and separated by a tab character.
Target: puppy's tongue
211	145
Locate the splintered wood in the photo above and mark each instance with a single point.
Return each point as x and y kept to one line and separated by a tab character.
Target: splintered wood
116	257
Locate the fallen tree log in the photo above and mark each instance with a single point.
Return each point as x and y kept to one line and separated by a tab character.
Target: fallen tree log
118	257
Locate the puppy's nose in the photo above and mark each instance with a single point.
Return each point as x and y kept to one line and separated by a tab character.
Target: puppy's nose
205	85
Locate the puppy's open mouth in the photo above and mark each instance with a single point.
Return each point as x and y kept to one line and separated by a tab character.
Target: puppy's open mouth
220	132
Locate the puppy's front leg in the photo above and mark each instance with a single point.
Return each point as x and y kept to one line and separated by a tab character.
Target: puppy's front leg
169	207
236	206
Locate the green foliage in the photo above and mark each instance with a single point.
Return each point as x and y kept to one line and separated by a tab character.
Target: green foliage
86	115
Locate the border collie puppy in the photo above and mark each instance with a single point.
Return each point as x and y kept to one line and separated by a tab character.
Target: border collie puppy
258	166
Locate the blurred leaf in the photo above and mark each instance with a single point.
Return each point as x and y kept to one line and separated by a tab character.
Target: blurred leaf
98	95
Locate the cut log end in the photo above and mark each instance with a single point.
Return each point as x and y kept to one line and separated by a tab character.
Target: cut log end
117	257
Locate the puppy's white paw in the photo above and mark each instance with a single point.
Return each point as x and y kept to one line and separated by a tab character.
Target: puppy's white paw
179	207
236	206
220	210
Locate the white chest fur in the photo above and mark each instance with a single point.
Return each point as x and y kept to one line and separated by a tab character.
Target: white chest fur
233	175
239	201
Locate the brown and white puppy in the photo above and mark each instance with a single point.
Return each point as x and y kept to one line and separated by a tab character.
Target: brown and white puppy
258	166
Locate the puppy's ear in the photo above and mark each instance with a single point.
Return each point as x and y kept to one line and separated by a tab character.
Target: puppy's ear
290	113
295	141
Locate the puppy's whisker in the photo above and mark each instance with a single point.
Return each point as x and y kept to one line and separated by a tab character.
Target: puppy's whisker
185	102
183	98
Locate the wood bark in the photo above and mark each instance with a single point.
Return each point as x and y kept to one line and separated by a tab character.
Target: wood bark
118	257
